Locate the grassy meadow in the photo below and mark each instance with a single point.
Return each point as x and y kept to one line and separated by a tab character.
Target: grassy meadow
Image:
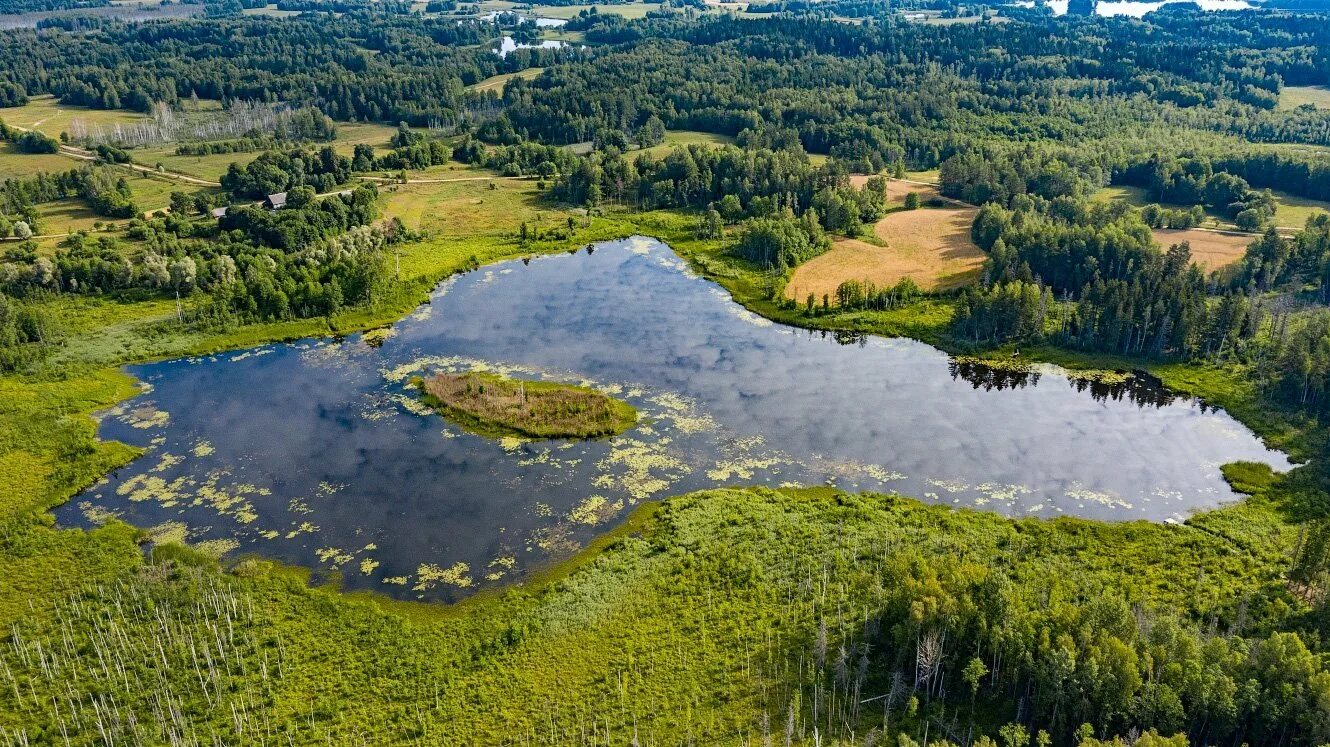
931	246
1291	212
627	10
15	163
1294	96
46	114
497	83
683	138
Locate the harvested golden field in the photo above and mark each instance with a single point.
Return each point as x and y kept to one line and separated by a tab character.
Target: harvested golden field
1210	249
499	82
898	188
932	246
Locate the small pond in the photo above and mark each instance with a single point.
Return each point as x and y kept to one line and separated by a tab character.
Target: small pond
509	45
318	452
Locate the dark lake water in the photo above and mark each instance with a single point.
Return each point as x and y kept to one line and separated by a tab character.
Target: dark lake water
317	452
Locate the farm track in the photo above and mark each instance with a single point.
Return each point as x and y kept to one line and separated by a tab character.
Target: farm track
71	151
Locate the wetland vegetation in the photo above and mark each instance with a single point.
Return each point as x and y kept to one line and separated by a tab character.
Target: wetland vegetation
736	615
497	406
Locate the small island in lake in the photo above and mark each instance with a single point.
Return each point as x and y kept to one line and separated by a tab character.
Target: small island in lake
494	406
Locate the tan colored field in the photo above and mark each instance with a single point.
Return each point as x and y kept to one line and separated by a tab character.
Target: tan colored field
898	188
1210	249
1295	96
932	246
499	82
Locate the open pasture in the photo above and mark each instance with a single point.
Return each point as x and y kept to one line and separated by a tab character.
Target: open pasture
15	163
1210	249
498	82
478	203
627	10
1292	211
1294	96
47	115
931	246
212	166
682	138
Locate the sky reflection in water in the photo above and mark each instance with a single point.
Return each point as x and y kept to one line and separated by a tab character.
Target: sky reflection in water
318	453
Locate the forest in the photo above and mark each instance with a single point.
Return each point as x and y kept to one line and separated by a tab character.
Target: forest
736	616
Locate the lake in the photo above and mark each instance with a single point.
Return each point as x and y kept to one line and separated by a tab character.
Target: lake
540	21
318	452
508	44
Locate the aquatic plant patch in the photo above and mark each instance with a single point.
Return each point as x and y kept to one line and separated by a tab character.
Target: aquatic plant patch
495	406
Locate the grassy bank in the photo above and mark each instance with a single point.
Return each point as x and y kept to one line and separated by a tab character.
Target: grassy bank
929	320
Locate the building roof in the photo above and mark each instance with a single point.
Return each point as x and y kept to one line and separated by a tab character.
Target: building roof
219	212
276	201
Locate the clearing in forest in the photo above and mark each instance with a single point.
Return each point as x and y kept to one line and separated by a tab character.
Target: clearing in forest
1294	96
500	82
46	114
931	246
1210	249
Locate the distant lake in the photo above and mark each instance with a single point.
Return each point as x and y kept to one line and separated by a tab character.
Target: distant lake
540	21
509	45
318	452
1138	9
130	11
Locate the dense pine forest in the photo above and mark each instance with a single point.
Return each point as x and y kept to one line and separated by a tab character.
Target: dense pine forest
224	200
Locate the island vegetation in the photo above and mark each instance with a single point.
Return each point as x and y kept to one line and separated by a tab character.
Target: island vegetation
496	406
746	616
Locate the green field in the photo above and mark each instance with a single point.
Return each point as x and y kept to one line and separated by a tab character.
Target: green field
151	193
1294	96
46	114
627	10
15	163
1132	195
270	10
481	205
1290	211
66	216
212	166
679	138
